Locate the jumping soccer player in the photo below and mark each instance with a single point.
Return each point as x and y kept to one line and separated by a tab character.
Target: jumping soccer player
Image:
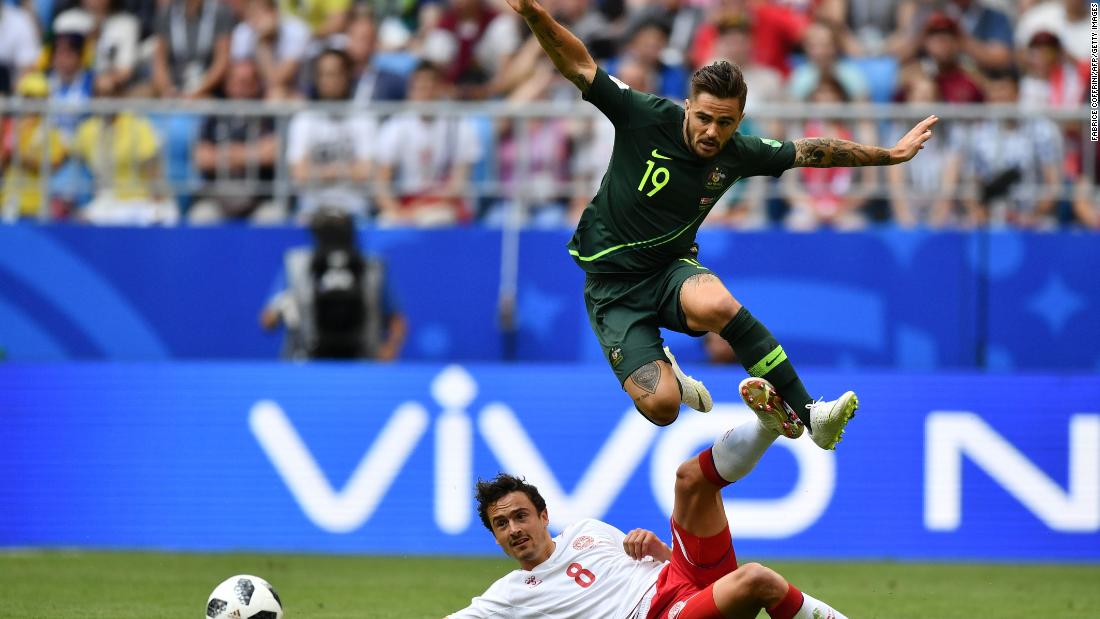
635	240
592	570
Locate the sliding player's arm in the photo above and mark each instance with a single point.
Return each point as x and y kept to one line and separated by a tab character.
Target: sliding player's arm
569	55
834	153
641	543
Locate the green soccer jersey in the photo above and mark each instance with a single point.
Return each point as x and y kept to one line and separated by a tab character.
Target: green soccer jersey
657	191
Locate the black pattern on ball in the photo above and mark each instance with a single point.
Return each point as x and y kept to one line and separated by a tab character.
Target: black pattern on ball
275	595
215	607
263	614
244	590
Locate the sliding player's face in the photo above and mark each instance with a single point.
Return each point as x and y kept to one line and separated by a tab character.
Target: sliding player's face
521	530
710	122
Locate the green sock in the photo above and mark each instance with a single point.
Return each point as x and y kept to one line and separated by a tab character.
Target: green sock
763	357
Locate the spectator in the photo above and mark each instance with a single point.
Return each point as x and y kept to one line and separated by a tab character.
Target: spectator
1013	164
69	81
679	19
20	45
329	152
942	44
111	38
372	82
822	47
71	84
645	45
478	38
338	303
324	17
424	163
1052	78
123	153
236	156
872	23
1066	19
828	197
923	192
27	148
277	43
776	31
984	33
192	48
533	168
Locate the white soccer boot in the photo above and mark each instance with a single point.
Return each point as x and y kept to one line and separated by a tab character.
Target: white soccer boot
774	414
828	419
692	392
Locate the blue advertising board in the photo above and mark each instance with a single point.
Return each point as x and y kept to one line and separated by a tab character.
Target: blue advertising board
889	299
382	458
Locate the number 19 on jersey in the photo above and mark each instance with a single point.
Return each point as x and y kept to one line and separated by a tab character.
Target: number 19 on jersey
658	176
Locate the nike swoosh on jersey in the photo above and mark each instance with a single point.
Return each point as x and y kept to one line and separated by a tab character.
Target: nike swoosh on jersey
657	155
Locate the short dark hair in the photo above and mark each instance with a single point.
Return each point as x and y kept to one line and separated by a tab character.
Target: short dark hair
721	79
830	80
427	66
339	53
493	490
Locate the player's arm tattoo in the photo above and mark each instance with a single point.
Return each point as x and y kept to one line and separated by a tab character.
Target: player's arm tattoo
834	153
647	376
564	49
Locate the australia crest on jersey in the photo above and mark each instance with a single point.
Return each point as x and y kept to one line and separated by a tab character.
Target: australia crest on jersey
716	179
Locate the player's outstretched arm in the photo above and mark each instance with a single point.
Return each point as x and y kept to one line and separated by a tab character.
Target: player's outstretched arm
641	543
568	54
834	153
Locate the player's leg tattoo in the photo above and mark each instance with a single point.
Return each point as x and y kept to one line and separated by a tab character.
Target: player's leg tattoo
647	377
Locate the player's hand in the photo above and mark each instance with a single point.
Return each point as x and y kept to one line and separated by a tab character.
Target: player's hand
910	143
523	7
641	543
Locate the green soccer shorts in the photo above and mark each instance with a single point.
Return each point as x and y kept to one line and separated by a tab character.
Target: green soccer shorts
628	313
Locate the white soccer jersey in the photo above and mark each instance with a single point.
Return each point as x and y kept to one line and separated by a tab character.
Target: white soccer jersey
424	151
589	576
323	138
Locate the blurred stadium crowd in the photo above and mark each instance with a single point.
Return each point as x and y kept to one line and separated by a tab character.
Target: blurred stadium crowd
275	108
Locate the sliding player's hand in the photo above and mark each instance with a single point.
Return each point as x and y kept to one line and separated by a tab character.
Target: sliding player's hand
641	543
911	143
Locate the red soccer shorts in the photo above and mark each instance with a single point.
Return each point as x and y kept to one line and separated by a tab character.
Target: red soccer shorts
683	588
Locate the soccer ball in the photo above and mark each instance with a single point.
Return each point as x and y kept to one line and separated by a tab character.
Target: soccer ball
244	597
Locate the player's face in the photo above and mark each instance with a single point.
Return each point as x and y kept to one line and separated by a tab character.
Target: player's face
520	530
710	122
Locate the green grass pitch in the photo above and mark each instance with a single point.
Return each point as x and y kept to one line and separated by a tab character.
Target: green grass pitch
117	585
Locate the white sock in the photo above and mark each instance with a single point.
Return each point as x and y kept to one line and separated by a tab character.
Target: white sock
813	608
738	451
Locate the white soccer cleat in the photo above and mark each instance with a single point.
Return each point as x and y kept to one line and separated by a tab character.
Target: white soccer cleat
774	414
828	419
692	392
